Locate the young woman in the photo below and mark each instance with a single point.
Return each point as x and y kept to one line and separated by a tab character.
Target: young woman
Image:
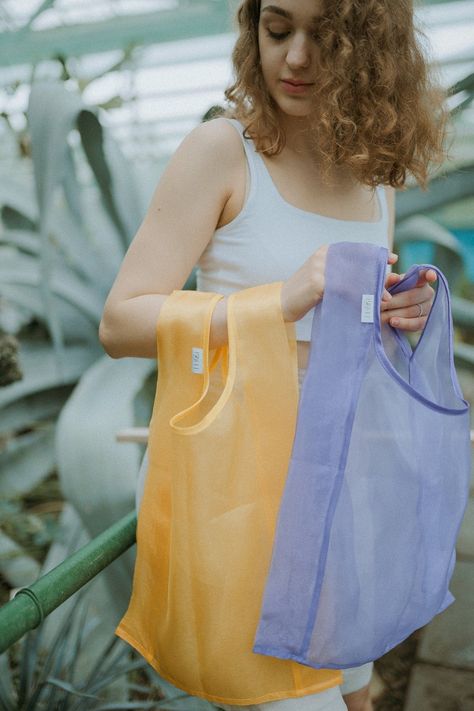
331	108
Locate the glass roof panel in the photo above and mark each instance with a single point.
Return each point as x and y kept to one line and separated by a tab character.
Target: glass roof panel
58	13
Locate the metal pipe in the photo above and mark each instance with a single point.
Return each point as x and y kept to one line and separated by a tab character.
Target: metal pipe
32	604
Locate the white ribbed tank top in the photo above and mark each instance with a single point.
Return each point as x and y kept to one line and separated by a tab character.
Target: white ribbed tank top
270	239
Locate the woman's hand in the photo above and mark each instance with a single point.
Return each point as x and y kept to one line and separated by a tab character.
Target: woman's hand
305	288
409	310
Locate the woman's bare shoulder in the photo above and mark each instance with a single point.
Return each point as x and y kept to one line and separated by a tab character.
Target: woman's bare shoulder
222	139
206	159
217	136
220	129
227	163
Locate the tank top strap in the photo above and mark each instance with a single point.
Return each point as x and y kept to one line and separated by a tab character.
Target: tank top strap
259	171
255	165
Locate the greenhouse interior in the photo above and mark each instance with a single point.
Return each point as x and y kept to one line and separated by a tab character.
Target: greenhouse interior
96	98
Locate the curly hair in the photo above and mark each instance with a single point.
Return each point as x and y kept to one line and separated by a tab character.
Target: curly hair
380	110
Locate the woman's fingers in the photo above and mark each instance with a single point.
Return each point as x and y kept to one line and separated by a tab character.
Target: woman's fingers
392	279
407	324
403	310
426	275
409	312
417	295
407	315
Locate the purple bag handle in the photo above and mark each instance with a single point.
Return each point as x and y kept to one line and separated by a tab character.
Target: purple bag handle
442	300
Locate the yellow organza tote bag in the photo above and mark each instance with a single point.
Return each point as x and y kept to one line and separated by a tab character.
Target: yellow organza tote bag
220	441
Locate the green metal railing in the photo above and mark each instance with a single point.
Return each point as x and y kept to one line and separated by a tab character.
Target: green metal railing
32	604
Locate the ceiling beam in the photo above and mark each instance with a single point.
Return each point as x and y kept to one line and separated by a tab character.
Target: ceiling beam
198	19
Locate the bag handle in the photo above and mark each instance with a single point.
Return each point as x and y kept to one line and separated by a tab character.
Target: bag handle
438	329
183	324
256	331
207	366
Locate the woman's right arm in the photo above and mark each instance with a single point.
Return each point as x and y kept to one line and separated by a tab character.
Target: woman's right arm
179	223
177	227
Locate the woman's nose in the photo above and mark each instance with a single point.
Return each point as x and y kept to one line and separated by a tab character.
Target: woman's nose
298	53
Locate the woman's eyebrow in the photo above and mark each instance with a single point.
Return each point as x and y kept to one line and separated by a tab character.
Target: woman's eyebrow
284	13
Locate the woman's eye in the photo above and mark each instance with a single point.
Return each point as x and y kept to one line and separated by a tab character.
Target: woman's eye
277	35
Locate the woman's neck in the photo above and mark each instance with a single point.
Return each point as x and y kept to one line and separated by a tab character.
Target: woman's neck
301	148
297	134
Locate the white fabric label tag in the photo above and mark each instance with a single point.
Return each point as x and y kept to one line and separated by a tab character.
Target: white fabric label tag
197	360
367	310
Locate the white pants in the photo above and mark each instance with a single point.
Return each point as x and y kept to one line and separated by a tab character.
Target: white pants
329	700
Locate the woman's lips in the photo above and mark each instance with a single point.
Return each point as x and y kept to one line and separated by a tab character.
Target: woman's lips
295	88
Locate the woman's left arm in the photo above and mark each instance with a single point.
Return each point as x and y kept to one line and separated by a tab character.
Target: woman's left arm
408	310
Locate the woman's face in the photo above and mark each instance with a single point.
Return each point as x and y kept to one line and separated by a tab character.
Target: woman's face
288	42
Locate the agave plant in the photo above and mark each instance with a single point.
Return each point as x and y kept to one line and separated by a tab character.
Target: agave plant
53	267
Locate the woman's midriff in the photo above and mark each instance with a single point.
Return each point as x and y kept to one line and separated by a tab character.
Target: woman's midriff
302	352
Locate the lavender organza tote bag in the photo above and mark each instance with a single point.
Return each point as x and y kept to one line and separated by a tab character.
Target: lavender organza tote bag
378	481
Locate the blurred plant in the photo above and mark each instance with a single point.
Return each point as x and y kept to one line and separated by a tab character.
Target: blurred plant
57	263
68	73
